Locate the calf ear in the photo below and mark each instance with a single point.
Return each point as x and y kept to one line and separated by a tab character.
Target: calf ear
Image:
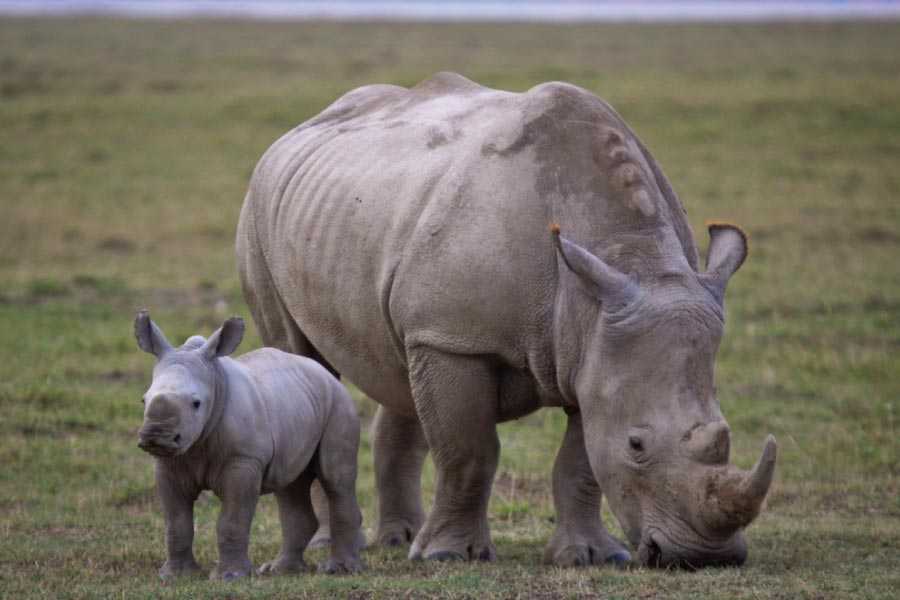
149	337
226	338
726	254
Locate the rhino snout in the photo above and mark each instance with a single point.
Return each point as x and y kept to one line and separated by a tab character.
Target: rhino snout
657	551
159	443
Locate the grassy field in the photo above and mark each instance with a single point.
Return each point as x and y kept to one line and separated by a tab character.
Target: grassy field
125	150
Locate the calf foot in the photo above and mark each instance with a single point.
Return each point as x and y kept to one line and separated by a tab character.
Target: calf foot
232	571
172	569
283	565
341	566
583	551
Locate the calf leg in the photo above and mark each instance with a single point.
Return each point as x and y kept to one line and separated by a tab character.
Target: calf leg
399	449
580	538
456	400
238	488
178	510
298	524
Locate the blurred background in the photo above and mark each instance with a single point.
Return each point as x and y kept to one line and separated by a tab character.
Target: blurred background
128	132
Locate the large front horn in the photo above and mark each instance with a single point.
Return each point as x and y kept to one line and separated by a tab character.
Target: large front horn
734	498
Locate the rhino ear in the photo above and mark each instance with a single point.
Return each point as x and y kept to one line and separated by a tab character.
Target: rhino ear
149	337
226	338
614	289
727	251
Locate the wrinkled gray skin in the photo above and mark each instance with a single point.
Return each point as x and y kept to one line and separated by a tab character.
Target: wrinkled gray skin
400	237
265	422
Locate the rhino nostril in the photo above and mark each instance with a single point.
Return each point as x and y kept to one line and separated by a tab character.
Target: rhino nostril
177	438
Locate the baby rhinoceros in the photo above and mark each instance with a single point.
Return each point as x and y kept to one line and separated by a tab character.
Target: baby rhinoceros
264	422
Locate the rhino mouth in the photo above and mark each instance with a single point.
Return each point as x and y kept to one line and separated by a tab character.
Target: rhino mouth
161	446
657	551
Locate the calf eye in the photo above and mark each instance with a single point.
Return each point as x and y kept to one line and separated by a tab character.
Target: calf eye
196	404
636	444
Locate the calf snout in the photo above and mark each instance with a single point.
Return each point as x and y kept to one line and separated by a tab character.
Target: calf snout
158	440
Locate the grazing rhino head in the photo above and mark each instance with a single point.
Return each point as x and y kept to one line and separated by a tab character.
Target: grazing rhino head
182	396
655	436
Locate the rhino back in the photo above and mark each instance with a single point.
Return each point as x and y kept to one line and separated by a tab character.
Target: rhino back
405	217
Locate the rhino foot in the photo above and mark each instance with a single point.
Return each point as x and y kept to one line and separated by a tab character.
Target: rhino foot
585	556
345	566
397	535
322	539
283	566
171	569
231	572
603	550
443	551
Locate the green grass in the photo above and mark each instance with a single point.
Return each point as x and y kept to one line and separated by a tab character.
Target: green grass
125	150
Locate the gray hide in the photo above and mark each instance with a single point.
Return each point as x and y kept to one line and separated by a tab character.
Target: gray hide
401	238
265	422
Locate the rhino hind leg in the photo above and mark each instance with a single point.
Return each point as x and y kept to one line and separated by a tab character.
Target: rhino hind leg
580	539
456	400
335	467
399	449
298	525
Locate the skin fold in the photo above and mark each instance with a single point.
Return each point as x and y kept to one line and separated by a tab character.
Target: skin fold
401	238
265	422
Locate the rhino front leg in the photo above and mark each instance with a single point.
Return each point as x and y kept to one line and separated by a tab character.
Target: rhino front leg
322	538
298	524
456	399
178	511
580	538
399	447
238	488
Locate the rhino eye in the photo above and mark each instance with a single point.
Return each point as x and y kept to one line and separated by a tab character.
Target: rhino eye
635	443
196	404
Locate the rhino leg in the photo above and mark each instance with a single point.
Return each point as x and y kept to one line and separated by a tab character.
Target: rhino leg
322	538
580	538
298	524
178	511
238	488
456	400
399	449
336	471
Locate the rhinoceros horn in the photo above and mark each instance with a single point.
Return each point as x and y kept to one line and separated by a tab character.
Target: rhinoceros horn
733	498
614	289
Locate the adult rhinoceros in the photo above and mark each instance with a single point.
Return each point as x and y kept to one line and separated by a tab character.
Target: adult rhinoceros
401	237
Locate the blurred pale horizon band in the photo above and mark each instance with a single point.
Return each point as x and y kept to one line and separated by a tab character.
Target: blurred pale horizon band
472	10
